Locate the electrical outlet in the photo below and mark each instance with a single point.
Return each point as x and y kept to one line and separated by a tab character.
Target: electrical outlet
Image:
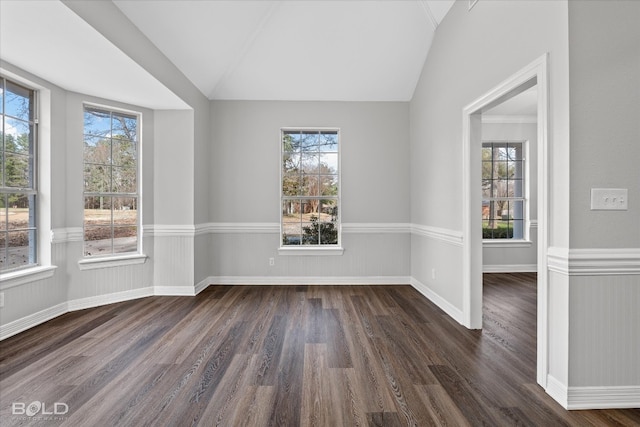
609	199
272	262
1	299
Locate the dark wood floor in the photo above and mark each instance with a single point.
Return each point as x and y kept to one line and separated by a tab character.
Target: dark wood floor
289	356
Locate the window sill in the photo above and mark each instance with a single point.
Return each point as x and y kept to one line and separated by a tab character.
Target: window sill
310	251
505	243
112	261
20	277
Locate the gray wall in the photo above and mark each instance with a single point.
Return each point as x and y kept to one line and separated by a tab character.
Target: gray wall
244	187
472	52
604	308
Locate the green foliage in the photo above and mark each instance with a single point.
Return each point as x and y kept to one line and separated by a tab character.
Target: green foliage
327	232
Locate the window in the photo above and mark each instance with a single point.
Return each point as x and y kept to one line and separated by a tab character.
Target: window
310	188
503	191
111	191
18	191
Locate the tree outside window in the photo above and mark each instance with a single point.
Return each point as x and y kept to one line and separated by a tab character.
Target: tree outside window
310	187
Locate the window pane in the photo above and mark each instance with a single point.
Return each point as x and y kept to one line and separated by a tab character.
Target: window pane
125	211
97	122
291	185
124	152
309	142
97	149
124	180
291	162
328	163
291	142
17	171
19	101
291	218
311	185
4	213
329	141
310	163
310	232
329	185
97	240
125	239
124	126
328	233
97	178
97	211
1	96
515	188
18	248
17	136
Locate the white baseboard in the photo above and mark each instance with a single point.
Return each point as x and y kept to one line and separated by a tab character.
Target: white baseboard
97	301
27	322
557	390
445	305
308	280
174	291
510	268
612	397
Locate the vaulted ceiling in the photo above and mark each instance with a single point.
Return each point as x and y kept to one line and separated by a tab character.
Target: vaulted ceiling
348	50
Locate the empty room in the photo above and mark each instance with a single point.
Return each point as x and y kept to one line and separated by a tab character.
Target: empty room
318	212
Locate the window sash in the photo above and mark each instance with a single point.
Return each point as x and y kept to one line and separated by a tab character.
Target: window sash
310	175
111	218
18	241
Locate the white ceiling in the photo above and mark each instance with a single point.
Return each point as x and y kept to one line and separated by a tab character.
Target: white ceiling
524	106
348	50
47	39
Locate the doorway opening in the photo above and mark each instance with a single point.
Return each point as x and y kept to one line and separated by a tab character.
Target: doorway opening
531	78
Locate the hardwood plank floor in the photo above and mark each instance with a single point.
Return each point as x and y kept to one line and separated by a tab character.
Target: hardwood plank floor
288	356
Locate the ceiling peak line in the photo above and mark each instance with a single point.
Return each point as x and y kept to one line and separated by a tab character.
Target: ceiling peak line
250	41
427	10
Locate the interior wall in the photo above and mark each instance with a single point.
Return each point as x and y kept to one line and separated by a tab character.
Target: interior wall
604	308
472	52
509	257
244	188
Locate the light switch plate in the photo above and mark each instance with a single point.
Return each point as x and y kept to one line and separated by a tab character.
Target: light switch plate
609	199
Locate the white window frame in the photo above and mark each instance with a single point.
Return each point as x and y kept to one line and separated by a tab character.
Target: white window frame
316	249
525	241
32	189
43	269
122	258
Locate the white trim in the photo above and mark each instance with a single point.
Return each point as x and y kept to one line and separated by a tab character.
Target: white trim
511	119
432	296
376	227
111	261
27	275
536	73
607	397
506	243
238	227
557	390
160	230
308	280
112	298
452	237
180	291
64	235
509	268
594	261
12	328
310	250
